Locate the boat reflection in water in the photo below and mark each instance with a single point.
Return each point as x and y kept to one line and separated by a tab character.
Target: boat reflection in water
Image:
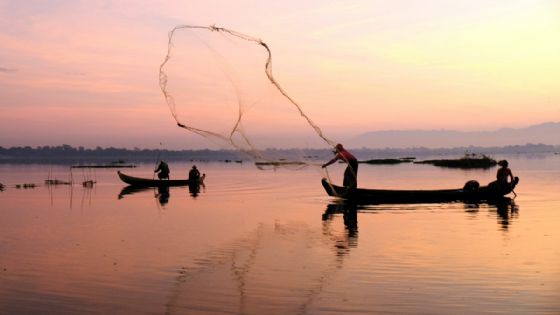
505	208
194	189
161	193
299	262
349	239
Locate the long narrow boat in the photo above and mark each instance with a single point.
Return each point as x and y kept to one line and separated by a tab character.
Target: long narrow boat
147	182
378	196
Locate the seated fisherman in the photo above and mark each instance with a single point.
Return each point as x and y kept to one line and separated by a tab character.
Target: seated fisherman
163	170
504	176
194	175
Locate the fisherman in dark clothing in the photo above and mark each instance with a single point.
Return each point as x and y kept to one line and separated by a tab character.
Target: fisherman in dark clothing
163	170
194	175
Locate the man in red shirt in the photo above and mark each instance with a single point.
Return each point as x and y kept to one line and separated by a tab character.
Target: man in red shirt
351	172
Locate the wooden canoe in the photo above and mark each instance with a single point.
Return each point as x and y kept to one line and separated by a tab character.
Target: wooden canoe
148	182
379	196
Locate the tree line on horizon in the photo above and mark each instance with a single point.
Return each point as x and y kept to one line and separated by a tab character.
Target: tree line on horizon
69	154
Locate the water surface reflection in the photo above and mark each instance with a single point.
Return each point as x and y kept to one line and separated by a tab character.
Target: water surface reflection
349	238
277	269
161	193
506	210
259	247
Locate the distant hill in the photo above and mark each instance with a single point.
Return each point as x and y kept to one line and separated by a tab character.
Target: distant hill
547	133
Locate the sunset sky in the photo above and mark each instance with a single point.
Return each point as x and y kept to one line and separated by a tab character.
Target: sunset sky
86	72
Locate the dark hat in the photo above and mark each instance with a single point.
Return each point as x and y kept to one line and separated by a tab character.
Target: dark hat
503	163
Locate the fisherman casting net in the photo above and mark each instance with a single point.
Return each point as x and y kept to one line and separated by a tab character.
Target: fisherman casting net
218	84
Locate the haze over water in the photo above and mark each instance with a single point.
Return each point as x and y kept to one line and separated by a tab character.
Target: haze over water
272	242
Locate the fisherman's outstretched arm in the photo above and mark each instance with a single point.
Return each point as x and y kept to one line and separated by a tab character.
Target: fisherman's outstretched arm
330	162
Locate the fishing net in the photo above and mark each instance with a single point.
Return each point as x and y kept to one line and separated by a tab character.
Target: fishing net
219	84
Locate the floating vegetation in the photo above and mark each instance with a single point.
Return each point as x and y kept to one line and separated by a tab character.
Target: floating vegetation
1	187
56	182
466	162
389	161
231	161
279	163
111	165
88	183
26	186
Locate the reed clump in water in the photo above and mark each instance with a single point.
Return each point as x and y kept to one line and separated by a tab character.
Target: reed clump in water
56	182
472	160
26	186
88	183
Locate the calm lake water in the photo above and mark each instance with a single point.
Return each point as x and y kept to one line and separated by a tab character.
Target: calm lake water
272	242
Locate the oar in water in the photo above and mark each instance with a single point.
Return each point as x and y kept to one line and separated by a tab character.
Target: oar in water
514	183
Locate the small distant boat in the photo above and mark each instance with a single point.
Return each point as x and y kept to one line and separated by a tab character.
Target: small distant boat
148	182
379	196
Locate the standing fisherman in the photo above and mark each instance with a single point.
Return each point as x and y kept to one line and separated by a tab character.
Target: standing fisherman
351	172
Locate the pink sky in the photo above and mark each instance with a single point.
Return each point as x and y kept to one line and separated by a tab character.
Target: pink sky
86	72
